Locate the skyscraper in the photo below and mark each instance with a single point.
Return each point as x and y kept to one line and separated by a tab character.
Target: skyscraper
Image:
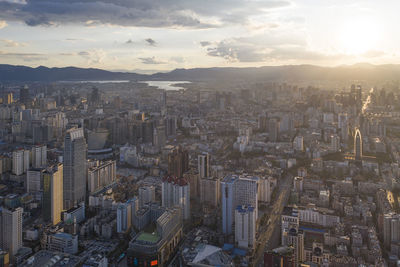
176	192
124	217
237	190
210	191
24	96
53	193
245	226
39	156
11	229
178	162
204	165
273	129
358	145
20	162
74	168
147	194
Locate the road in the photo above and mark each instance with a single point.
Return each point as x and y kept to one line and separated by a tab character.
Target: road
271	237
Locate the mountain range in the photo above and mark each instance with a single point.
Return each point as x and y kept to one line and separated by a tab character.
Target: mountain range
291	73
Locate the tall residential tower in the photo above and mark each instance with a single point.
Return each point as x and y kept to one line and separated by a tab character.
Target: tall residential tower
74	168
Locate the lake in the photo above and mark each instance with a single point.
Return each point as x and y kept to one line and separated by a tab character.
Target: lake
166	85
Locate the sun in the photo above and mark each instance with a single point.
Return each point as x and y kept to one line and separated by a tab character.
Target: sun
358	36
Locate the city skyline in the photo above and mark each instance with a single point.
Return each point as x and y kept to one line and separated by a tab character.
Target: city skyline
146	36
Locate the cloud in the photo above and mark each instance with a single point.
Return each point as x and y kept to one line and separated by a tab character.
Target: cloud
266	48
94	56
151	42
150	61
142	13
3	24
11	43
177	59
28	57
373	53
205	43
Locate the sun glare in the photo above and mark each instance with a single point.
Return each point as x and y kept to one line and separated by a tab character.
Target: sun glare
358	36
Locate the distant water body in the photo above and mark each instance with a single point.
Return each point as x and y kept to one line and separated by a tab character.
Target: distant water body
111	81
166	85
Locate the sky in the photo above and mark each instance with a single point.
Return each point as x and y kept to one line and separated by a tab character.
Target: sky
161	35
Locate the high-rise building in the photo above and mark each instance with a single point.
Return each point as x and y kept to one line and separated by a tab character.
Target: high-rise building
34	183
124	217
335	143
264	189
262	122
20	161
237	190
176	192
193	179
170	122
11	229
101	174
159	137
295	238
227	203
53	194
8	98
358	149
24	96
391	229
147	194
178	162
291	234
39	156
273	129
245	226
210	191
298	143
204	165
343	125
298	184
74	168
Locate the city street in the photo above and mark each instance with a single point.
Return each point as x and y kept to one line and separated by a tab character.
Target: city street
270	238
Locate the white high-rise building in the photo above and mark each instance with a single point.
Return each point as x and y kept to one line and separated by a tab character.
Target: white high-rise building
237	190
176	192
298	143
290	233
11	230
265	189
204	165
124	217
39	156
147	194
20	162
245	226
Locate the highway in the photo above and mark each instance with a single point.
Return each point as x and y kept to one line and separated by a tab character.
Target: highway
270	238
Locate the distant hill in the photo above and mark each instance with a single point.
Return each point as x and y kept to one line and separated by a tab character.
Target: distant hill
44	74
362	71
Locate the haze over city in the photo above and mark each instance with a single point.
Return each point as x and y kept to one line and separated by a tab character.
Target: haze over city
174	133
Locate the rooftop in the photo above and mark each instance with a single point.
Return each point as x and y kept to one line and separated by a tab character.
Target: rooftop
148	237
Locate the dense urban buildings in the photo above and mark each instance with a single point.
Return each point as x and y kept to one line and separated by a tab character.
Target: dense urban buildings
263	174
